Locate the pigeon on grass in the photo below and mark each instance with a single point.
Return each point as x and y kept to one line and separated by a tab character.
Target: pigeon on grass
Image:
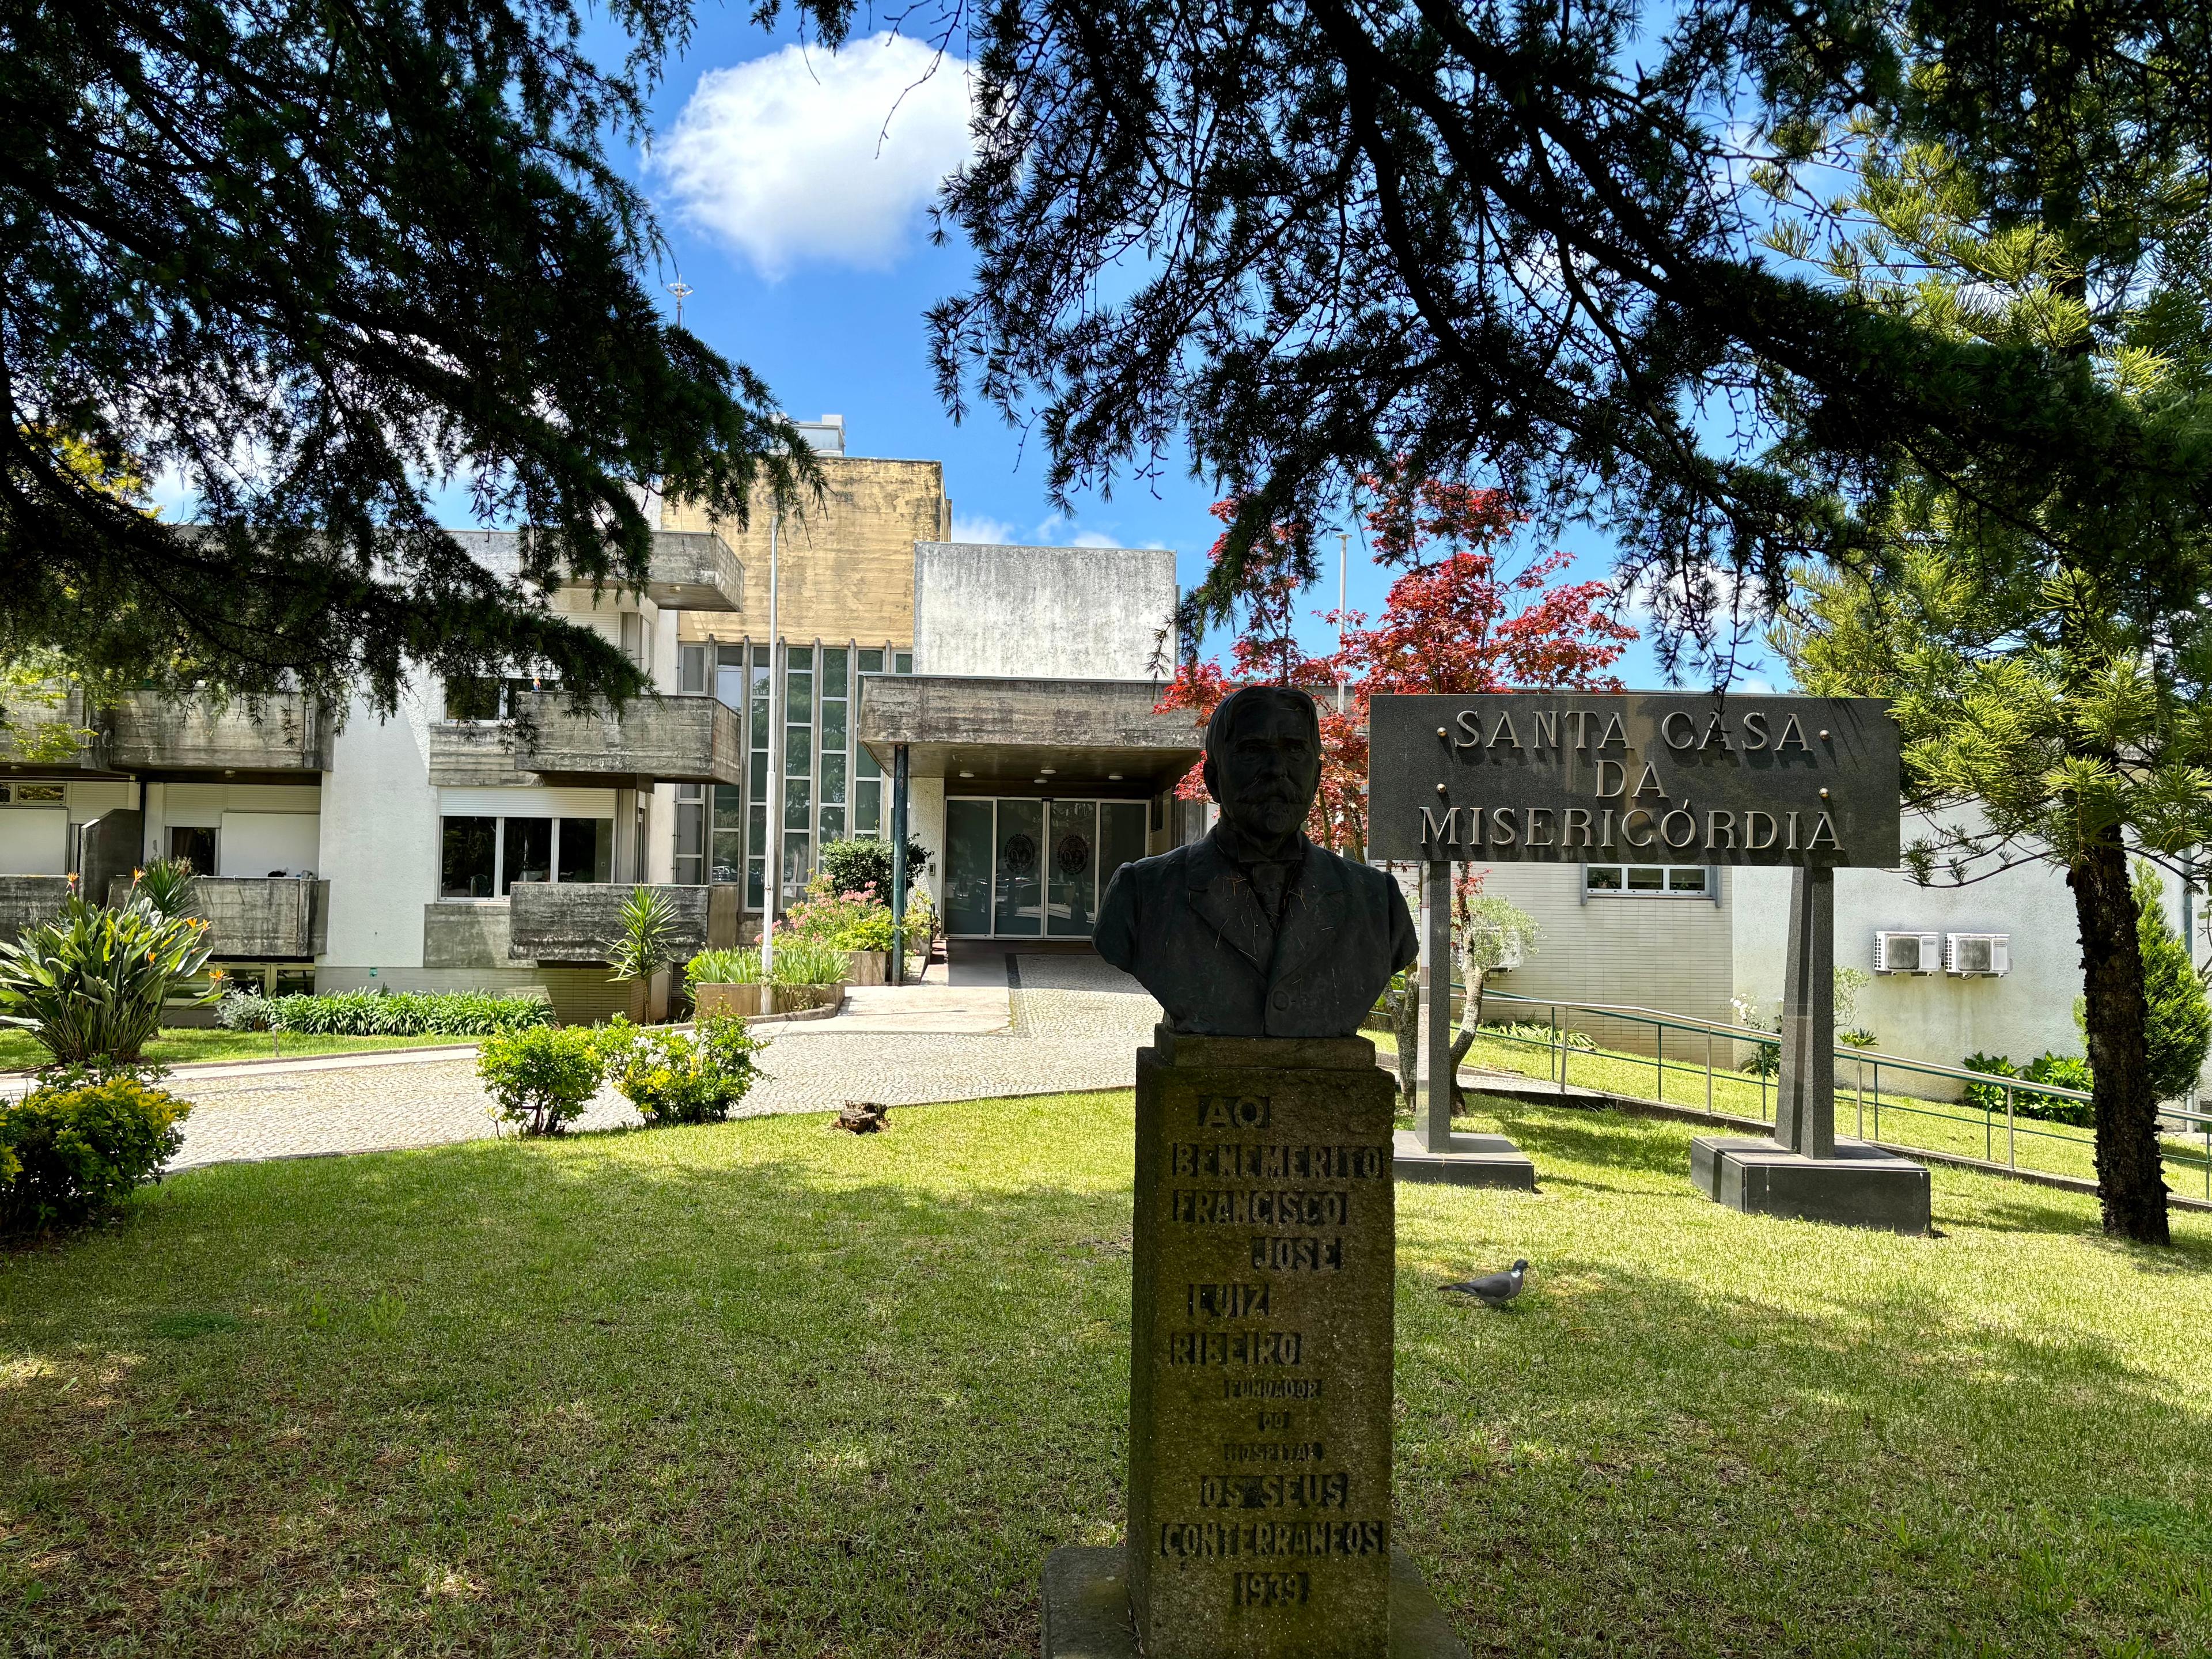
1494	1289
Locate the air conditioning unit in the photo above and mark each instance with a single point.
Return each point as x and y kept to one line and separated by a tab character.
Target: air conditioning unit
1977	956
1906	953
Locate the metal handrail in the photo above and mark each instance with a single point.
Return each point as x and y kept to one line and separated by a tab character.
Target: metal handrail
1753	1034
2016	1130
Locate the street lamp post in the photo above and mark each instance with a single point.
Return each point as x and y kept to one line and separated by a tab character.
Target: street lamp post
772	859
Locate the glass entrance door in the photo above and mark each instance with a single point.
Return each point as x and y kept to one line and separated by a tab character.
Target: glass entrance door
1071	895
1017	868
1018	909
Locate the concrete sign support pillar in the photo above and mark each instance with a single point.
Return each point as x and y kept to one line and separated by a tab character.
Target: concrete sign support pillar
1805	1104
1429	1151
1803	1171
898	863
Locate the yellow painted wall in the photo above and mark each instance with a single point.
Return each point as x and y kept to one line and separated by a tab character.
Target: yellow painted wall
846	562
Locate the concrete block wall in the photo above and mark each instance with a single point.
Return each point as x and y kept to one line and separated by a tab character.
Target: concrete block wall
1674	954
1072	613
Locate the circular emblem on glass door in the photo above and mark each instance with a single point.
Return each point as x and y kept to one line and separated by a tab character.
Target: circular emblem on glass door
1073	857
1020	854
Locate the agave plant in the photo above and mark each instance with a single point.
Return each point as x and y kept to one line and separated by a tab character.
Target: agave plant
90	985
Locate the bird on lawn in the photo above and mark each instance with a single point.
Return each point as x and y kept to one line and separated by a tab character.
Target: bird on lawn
1495	1290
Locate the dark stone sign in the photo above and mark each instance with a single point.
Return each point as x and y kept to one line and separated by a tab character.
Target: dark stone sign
1628	777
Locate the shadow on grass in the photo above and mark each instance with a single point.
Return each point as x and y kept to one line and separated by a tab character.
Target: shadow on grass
762	1387
1604	1140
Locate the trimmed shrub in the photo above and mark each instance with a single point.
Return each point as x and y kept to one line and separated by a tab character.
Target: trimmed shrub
672	1077
403	1014
723	967
91	984
543	1078
864	865
78	1145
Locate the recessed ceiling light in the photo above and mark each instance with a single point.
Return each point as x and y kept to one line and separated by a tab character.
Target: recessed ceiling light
1113	777
967	774
1036	780
1046	770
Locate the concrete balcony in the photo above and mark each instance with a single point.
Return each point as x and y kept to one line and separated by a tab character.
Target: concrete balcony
686	570
579	921
670	739
149	731
470	754
270	918
28	901
60	736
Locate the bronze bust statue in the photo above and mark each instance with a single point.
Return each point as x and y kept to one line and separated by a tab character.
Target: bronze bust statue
1254	931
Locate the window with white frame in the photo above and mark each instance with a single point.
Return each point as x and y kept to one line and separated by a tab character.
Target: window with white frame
1646	881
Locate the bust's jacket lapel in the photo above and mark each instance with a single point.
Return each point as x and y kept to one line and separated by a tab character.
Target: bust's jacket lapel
1226	902
1311	918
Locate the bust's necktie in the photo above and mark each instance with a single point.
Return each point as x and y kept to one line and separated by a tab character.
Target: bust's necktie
1268	882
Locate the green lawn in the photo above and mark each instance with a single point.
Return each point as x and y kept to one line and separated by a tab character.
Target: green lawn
178	1044
766	1389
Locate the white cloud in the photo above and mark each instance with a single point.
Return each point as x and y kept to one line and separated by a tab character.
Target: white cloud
1057	531
809	155
991	532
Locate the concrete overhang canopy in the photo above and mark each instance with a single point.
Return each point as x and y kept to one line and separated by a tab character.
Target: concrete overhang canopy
1009	730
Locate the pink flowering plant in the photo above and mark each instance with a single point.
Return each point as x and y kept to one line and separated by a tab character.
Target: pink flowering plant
853	920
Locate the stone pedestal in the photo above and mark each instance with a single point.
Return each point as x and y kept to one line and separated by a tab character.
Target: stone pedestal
1086	1609
1468	1160
1260	1387
1858	1185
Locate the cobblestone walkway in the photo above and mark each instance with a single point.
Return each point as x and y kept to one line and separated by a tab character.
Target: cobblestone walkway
1076	1024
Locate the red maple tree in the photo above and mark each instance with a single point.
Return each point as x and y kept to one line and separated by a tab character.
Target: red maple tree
1456	621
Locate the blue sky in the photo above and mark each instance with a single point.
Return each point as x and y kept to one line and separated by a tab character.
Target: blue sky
792	188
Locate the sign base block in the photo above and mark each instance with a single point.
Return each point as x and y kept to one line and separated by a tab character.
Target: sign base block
1086	1610
1473	1161
1861	1186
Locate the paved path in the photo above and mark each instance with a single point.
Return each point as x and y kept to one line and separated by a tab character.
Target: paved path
1073	1022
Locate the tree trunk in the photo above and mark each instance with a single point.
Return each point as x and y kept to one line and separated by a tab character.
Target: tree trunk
1470	1017
1404	1005
2128	1180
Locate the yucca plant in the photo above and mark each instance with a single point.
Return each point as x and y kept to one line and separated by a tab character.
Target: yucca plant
645	945
165	883
90	985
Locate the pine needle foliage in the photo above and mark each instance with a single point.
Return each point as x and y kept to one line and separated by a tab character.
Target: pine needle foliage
315	264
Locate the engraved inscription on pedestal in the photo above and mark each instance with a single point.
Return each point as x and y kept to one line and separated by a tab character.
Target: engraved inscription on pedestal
1260	1408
